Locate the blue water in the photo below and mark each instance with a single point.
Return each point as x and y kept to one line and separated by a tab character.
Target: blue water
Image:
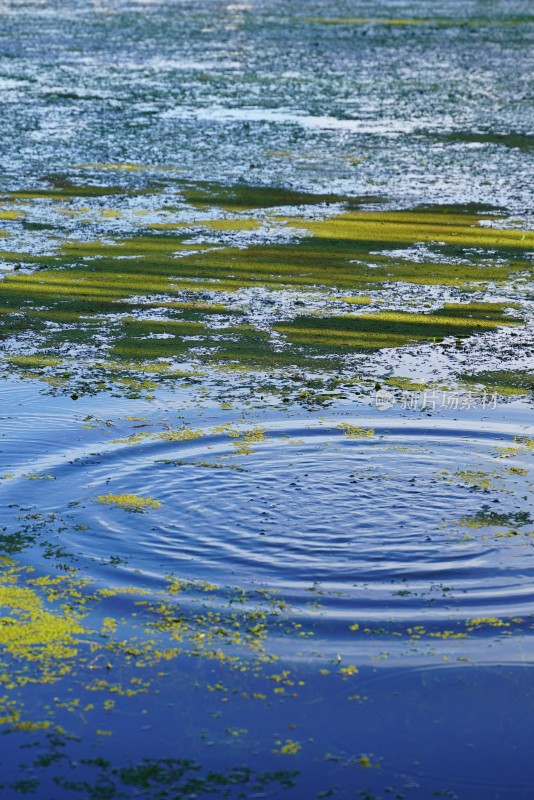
339	531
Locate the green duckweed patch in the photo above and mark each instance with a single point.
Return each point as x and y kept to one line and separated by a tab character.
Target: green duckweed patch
525	441
363	300
513	140
58	629
218	225
244	197
429	22
355	432
32	633
484	480
289	747
171	778
488	518
406	384
97	654
63	190
244	440
129	502
182	462
445	226
180	435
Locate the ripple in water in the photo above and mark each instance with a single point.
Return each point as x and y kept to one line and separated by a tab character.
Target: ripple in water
410	521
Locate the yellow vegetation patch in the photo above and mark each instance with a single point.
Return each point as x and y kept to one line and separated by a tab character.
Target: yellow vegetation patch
289	748
354	431
129	502
179	435
29	631
408	227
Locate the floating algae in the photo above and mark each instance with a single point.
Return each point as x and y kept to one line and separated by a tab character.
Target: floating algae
129	502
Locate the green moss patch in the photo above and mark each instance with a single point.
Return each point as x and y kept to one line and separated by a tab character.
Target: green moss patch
394	228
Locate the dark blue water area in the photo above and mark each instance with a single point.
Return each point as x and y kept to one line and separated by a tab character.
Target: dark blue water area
425	732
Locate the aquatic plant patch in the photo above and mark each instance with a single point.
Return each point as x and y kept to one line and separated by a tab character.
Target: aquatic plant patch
146	302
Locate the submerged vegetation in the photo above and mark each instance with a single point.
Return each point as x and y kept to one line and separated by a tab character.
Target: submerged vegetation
143	306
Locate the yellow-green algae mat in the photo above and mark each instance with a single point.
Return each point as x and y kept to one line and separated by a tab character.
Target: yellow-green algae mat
141	304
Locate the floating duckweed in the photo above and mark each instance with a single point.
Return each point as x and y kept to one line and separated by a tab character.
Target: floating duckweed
525	441
363	300
493	622
35	634
348	255
289	748
182	462
245	439
349	670
399	382
129	502
506	452
477	479
487	518
179	435
135	438
354	431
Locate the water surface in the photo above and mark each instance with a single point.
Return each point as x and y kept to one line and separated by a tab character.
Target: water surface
266	428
